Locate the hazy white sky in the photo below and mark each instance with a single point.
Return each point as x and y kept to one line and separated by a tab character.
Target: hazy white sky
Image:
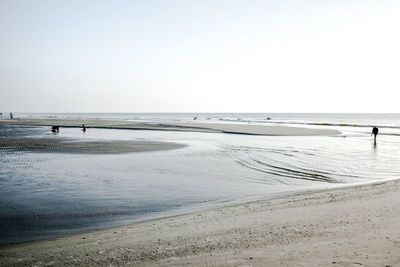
199	56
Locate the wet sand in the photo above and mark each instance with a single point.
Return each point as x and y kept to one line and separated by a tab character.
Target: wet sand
350	226
251	129
66	145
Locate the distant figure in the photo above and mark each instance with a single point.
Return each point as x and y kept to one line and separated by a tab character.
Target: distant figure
11	115
83	128
55	129
375	131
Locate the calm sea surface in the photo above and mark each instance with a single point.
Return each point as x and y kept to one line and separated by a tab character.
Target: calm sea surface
45	195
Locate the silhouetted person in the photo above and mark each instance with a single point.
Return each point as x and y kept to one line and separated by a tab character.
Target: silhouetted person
375	131
83	128
11	115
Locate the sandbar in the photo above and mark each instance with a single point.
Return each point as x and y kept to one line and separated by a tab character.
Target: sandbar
232	128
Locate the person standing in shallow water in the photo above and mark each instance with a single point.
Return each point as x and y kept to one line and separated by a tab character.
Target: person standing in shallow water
375	131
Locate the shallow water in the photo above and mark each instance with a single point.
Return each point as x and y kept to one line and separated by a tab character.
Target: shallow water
45	195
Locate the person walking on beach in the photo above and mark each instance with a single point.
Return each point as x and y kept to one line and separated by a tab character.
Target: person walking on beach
83	128
375	131
11	115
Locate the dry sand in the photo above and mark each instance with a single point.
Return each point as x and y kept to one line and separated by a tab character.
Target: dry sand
234	128
350	226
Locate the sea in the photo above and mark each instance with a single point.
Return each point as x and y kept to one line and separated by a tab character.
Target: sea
47	195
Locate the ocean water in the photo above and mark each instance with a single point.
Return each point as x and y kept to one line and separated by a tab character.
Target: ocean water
385	120
44	195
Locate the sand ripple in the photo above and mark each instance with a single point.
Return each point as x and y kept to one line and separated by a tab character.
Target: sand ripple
64	145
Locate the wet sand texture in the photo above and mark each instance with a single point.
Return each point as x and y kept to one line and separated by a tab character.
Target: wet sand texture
64	145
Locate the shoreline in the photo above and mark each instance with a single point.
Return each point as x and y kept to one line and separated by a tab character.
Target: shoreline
350	225
249	129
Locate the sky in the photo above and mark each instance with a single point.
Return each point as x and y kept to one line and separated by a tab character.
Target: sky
199	56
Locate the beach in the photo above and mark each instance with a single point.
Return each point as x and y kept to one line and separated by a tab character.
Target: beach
352	226
199	133
341	222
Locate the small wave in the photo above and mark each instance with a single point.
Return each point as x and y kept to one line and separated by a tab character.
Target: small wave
289	122
332	124
282	173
